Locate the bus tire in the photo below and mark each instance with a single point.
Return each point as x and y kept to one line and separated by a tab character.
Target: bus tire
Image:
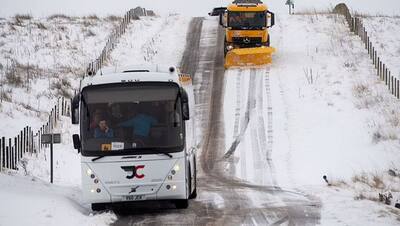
193	195
98	206
182	203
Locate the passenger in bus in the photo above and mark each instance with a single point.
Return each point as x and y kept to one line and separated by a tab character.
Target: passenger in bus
141	124
98	113
103	131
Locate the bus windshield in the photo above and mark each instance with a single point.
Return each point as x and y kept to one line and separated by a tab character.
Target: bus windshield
246	20
128	119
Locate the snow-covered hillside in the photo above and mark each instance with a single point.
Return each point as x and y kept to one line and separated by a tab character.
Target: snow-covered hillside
332	116
43	59
147	40
381	30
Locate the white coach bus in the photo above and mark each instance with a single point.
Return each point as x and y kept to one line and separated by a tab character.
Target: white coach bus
137	141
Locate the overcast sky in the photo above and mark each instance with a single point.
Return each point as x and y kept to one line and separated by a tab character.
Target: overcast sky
41	8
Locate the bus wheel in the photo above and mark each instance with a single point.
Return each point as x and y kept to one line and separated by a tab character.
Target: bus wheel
182	204
98	206
193	195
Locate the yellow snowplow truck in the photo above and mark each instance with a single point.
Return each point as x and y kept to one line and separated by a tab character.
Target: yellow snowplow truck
247	42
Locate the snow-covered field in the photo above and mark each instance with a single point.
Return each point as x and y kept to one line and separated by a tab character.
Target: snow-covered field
381	30
330	116
147	40
43	59
333	117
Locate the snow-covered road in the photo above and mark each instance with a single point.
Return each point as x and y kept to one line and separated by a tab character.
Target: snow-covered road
225	198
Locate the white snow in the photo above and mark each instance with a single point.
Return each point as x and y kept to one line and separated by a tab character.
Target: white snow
330	114
50	56
162	43
61	203
381	30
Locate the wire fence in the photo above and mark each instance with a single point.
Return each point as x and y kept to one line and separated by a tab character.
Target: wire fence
382	71
112	40
12	150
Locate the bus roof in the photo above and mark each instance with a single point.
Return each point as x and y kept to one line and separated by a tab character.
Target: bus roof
152	73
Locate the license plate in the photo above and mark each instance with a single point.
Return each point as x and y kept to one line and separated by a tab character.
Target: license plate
134	197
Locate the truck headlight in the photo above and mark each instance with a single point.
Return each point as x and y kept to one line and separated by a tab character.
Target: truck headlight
229	48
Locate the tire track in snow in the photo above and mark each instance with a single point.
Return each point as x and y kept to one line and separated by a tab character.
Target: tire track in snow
269	136
245	120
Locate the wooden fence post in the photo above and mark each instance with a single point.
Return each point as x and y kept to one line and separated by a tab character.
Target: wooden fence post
15	152
10	153
3	148
25	146
1	157
383	69
32	142
370	50
398	90
365	38
62	106
19	147
7	158
12	157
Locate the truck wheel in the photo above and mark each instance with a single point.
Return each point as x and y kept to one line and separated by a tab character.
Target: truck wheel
182	204
98	206
225	50
268	41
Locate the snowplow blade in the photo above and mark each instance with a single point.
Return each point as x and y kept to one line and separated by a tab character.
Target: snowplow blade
249	57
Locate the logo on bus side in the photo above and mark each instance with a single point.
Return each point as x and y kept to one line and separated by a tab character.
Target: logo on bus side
134	170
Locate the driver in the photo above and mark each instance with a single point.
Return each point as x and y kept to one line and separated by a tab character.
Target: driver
102	130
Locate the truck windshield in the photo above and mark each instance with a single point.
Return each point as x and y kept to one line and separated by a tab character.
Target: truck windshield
134	118
246	20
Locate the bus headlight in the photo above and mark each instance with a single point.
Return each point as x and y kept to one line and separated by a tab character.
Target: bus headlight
176	168
89	172
173	187
229	48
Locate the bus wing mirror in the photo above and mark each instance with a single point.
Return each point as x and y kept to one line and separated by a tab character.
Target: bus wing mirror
77	142
75	109
185	111
221	21
217	11
185	105
272	16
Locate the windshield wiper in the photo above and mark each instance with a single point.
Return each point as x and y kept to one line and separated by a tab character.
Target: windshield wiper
164	153
155	150
97	158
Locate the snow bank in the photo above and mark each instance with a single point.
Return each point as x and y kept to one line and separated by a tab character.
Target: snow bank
27	201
